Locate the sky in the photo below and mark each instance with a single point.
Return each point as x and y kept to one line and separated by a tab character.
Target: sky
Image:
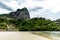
49	9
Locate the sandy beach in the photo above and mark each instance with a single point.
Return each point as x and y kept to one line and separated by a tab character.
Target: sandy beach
20	36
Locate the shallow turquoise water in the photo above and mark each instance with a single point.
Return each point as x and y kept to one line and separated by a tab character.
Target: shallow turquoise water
54	35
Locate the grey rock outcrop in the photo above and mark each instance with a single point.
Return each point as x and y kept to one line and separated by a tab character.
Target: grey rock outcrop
22	14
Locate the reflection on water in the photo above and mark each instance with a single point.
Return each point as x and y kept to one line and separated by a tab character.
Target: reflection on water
53	35
57	34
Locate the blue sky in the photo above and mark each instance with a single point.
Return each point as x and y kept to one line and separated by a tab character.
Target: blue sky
49	9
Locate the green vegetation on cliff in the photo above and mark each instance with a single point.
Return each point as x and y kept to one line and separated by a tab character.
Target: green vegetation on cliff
34	24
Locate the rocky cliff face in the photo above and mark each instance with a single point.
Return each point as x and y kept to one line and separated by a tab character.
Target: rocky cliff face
22	14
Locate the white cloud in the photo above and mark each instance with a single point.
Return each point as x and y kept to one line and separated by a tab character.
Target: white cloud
49	7
4	11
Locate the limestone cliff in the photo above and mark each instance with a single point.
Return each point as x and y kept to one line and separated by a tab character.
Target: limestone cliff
22	14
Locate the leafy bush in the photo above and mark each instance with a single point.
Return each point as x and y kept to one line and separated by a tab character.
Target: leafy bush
34	24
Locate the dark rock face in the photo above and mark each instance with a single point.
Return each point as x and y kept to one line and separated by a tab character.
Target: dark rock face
22	14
